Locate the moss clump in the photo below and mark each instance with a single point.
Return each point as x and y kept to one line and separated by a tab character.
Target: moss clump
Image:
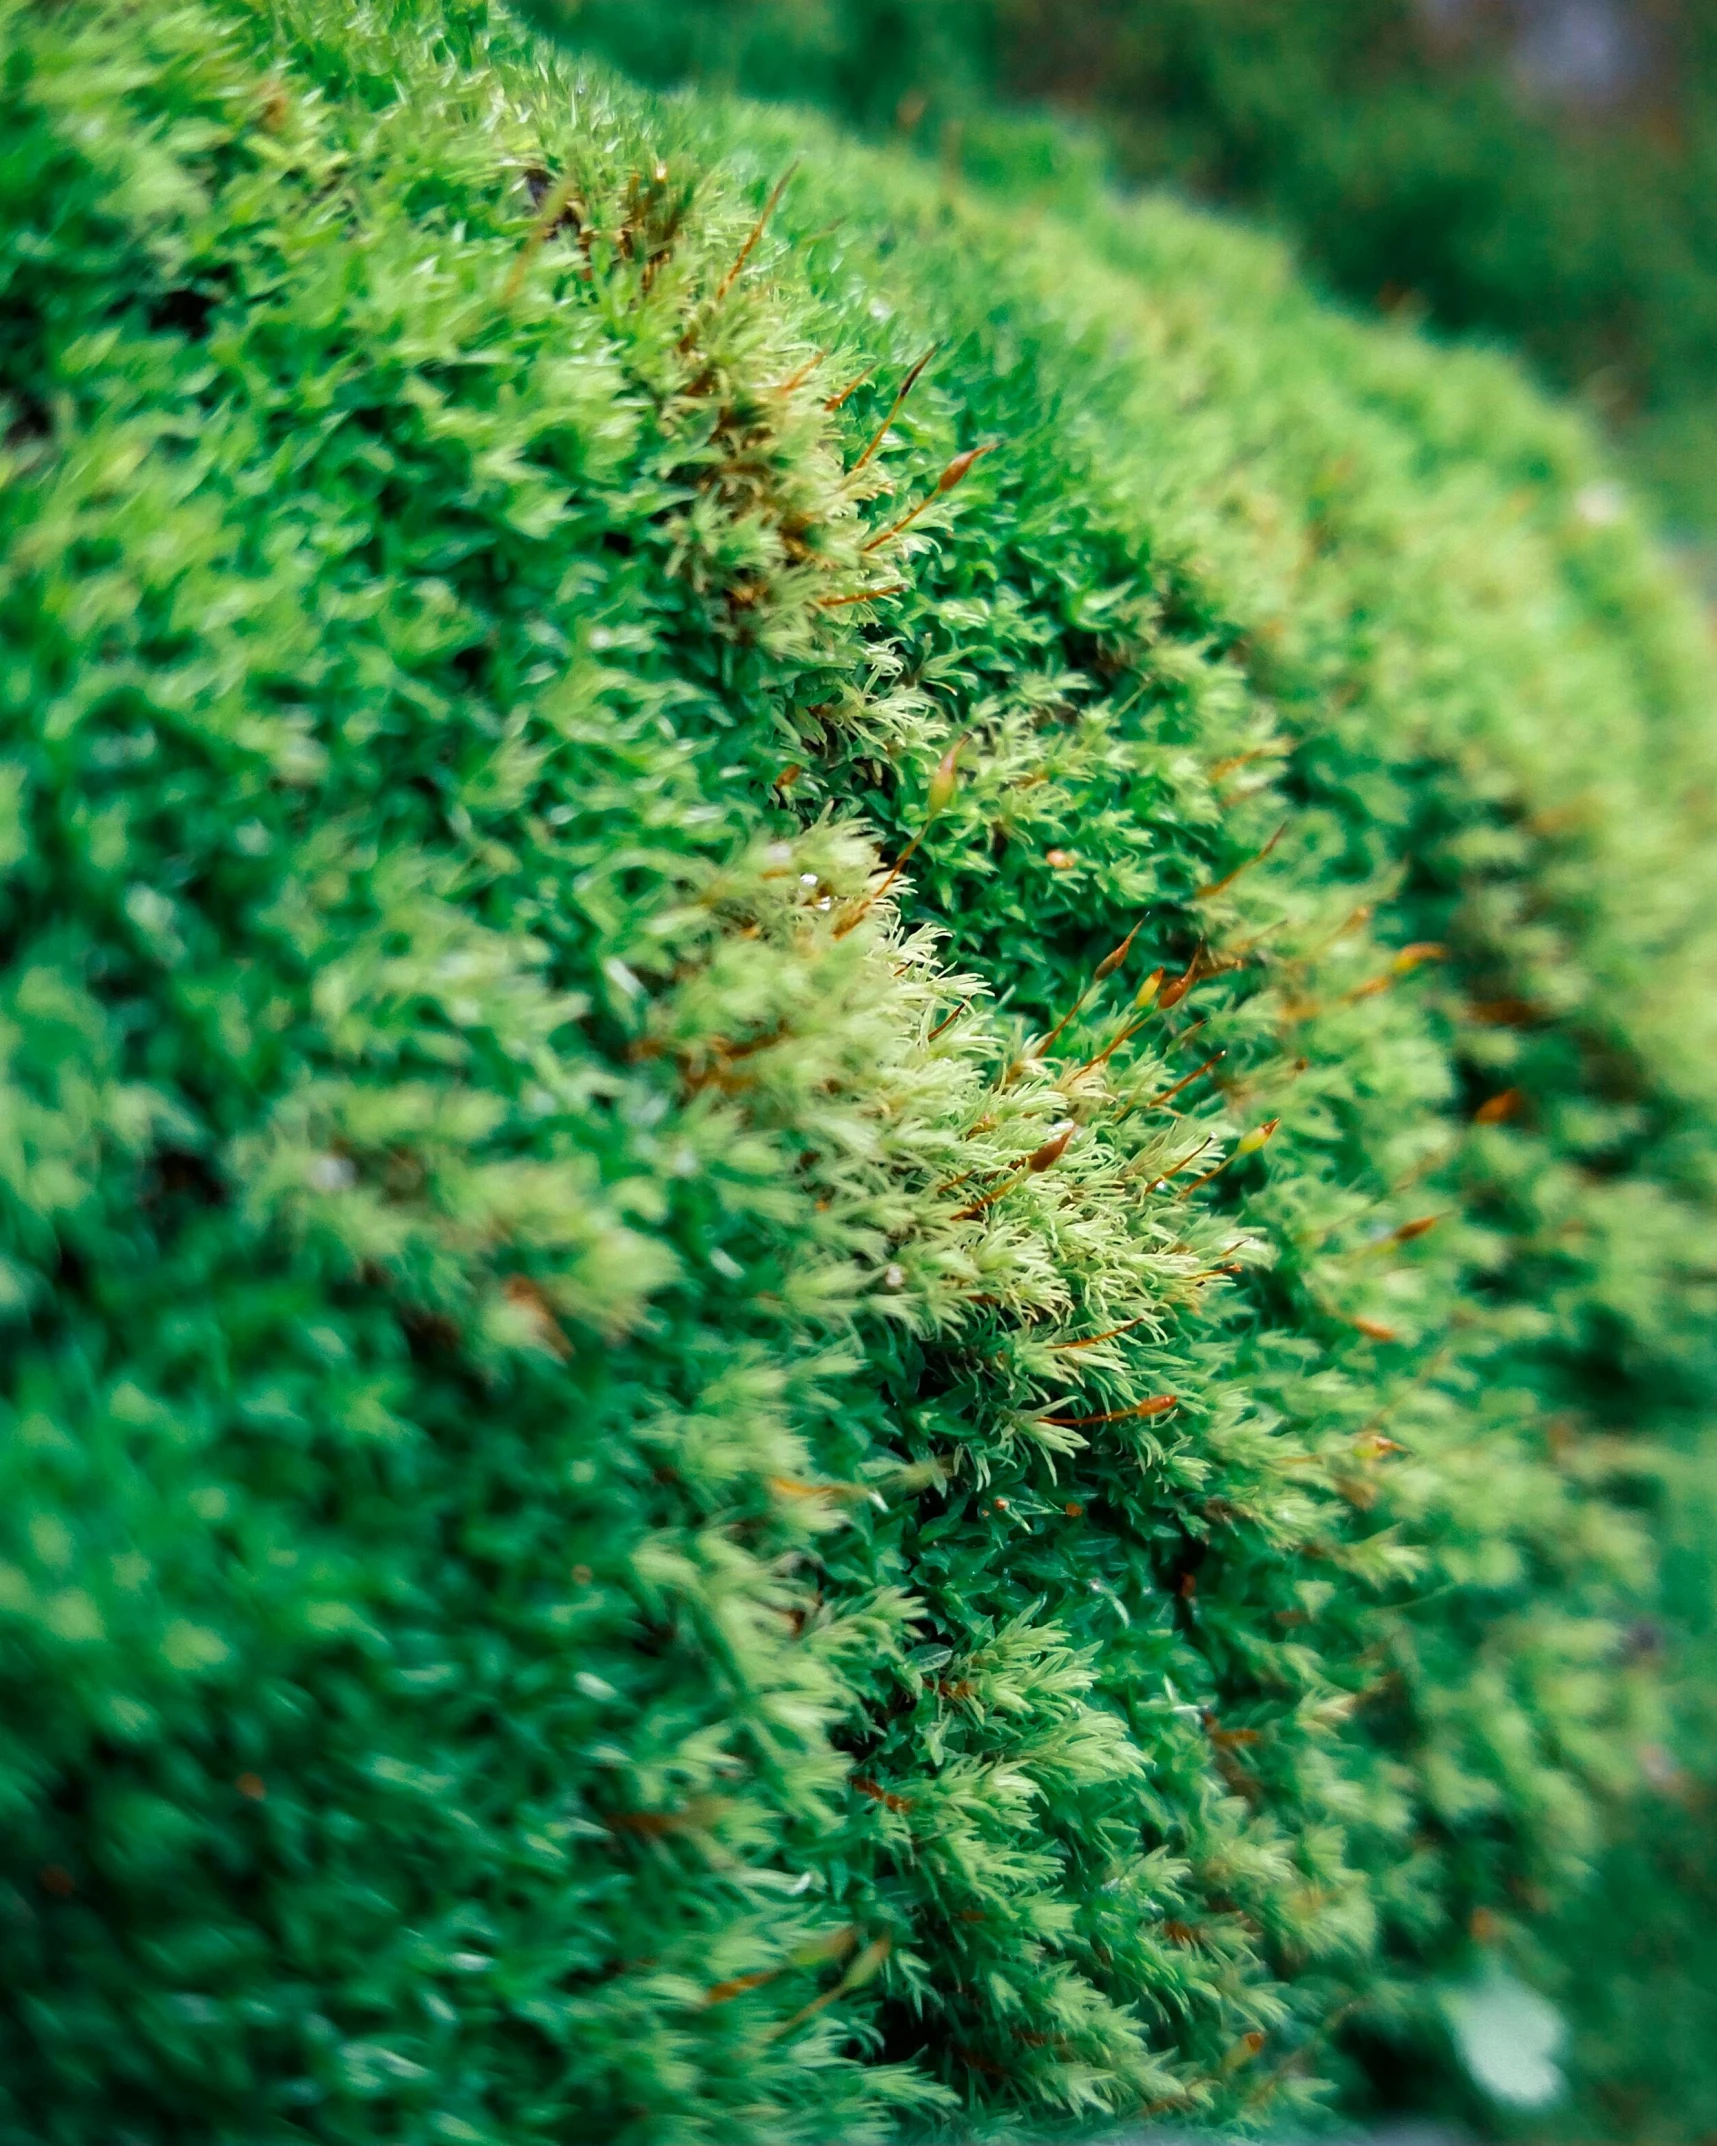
664	1482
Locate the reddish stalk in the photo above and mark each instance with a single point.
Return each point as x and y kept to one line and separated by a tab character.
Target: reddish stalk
941	795
757	230
1216	886
905	389
861	596
1091	1340
846	394
1159	1404
954	474
1249	1145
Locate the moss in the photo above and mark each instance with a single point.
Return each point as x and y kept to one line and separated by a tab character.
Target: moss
1415	161
825	1261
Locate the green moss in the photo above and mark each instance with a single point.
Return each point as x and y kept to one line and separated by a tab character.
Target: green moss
643	1499
1415	159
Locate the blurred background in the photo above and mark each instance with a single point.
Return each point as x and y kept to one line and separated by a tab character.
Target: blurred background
1536	173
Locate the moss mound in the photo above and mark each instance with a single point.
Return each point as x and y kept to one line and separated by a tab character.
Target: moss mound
826	1217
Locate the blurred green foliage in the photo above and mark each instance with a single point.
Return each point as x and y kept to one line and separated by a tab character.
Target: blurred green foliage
1396	144
849	1243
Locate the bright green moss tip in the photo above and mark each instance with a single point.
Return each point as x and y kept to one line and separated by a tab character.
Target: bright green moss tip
662	1483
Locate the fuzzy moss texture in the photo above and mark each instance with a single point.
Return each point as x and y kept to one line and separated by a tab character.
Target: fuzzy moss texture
662	1483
